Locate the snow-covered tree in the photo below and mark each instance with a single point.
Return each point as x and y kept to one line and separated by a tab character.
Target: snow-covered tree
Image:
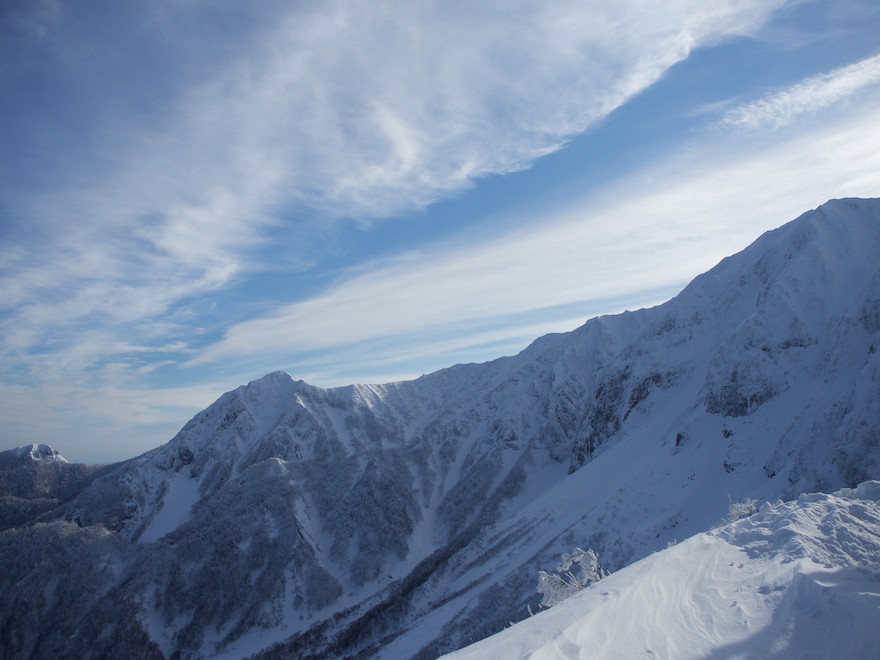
575	572
742	509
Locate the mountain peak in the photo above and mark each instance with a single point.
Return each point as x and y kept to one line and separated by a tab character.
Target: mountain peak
273	377
41	452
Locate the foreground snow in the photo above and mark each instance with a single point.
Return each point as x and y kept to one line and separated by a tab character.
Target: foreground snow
797	579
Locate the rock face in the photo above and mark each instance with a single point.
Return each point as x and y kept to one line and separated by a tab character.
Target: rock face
407	519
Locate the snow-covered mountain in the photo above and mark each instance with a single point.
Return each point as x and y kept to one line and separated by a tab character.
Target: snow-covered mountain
35	479
410	519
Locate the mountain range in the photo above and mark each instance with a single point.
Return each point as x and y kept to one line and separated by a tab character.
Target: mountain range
410	519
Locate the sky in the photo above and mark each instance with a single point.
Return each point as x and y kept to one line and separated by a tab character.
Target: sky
194	194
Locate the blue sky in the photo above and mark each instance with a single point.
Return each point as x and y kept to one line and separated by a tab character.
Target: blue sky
194	194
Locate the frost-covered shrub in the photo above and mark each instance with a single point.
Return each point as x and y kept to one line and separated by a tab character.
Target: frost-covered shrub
575	572
742	509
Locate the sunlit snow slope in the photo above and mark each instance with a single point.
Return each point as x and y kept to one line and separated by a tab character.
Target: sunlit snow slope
799	579
410	519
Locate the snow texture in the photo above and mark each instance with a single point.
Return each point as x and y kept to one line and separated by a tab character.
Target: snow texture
795	580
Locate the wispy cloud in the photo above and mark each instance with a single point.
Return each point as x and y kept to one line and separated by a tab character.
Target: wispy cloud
816	93
169	148
351	109
103	423
637	237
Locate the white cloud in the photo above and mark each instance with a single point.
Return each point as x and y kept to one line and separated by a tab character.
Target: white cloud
700	208
100	424
339	109
818	92
362	109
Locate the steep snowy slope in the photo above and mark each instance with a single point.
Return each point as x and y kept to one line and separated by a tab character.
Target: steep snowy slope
795	580
411	518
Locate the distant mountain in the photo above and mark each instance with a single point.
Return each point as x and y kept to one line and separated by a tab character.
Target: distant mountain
410	519
795	580
35	479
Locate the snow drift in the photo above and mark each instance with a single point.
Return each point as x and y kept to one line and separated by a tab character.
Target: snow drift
795	580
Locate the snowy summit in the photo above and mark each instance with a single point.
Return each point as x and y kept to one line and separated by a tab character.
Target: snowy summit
39	453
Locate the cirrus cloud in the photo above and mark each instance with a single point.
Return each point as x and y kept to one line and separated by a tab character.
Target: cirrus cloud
153	151
811	95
